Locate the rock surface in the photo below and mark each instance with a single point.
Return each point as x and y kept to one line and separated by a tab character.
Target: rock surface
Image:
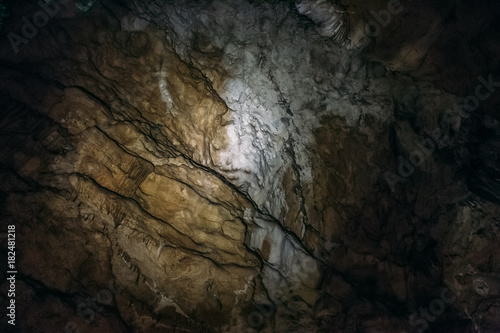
252	166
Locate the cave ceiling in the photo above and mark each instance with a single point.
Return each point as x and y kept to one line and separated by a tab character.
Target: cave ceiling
250	166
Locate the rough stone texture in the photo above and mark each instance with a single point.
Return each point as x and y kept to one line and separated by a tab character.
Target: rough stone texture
222	166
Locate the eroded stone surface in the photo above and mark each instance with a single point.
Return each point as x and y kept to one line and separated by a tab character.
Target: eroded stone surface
222	166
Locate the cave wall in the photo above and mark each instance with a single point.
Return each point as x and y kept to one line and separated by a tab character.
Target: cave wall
252	166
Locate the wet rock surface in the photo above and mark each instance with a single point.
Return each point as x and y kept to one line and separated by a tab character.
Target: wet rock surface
251	166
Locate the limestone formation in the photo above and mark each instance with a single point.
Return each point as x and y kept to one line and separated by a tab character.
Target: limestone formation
251	166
